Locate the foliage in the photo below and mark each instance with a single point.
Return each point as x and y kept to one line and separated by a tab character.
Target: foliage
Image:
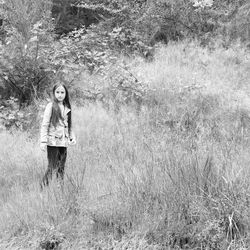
165	20
24	69
22	15
11	117
122	88
238	27
94	50
125	28
68	18
31	55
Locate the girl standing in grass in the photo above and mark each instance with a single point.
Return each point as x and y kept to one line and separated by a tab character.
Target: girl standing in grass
56	132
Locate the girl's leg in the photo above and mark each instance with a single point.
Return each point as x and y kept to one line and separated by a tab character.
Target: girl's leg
61	162
52	155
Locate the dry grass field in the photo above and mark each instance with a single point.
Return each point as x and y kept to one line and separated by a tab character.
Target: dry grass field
173	176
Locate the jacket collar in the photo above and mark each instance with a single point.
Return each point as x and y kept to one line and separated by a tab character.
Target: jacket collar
67	110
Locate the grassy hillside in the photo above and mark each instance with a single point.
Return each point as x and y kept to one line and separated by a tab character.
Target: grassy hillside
173	176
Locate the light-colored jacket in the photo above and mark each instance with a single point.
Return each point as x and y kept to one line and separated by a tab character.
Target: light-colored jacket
58	136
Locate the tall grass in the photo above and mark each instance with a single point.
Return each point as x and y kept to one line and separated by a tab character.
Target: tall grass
175	175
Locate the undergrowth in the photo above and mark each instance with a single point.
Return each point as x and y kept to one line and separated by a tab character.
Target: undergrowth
172	176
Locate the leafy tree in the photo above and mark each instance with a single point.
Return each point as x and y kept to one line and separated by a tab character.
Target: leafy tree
22	15
23	70
174	19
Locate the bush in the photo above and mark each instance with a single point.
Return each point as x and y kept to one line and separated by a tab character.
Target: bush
12	118
26	80
24	69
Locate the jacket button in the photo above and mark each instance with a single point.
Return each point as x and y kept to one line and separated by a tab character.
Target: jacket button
65	126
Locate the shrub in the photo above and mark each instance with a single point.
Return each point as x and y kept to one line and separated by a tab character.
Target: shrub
24	69
26	80
12	118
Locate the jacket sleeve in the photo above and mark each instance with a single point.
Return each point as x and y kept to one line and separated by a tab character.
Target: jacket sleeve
46	123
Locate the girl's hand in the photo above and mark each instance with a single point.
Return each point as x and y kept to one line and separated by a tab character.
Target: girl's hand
72	141
43	146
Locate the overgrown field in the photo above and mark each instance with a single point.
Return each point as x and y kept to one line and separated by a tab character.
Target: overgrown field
173	174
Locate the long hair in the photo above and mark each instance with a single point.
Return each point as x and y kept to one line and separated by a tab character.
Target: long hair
56	112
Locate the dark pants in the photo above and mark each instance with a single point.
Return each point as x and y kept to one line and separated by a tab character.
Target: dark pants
56	162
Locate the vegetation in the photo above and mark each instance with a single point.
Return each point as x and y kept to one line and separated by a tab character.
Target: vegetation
162	128
175	174
33	53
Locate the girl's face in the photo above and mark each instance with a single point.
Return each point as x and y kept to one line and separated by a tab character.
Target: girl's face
60	93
